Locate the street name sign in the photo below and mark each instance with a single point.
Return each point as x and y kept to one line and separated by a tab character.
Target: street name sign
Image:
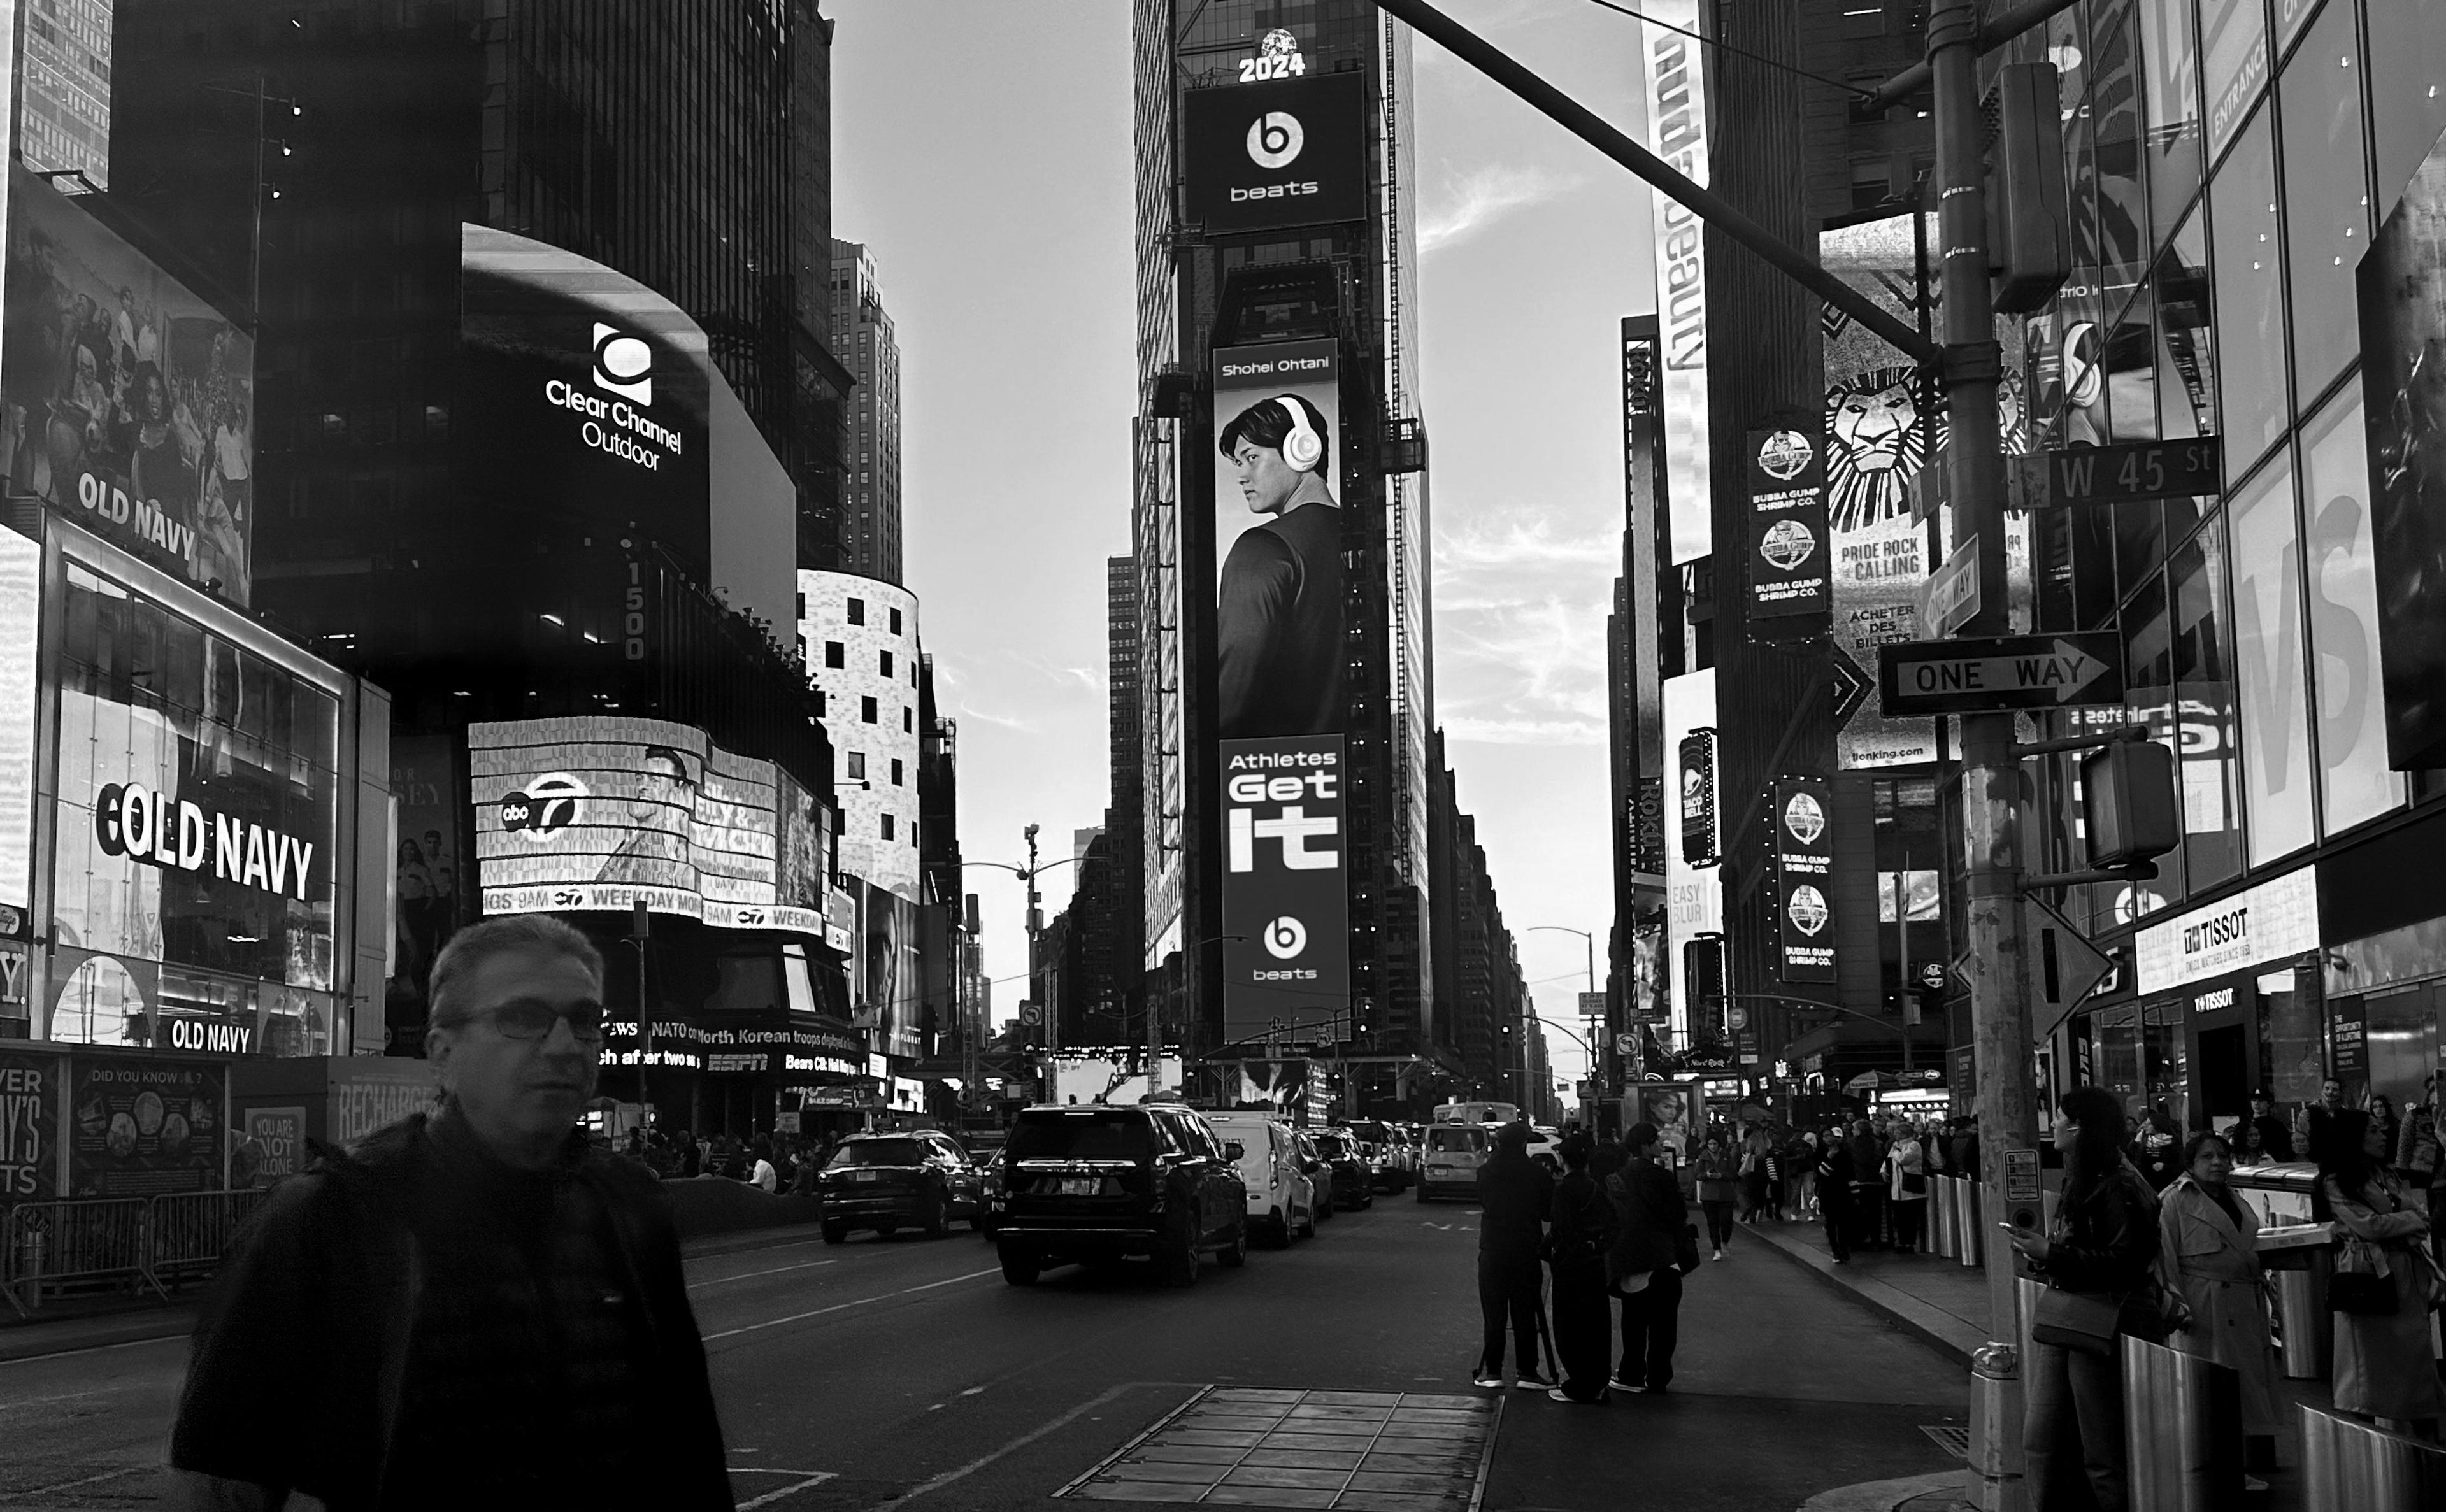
1993	674
2136	470
1952	599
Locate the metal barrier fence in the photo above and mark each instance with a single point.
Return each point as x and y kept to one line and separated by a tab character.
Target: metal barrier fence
2182	1422
2349	1466
48	1248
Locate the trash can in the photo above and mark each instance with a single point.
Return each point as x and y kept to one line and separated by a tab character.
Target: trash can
2299	1258
1996	1483
2182	1417
2349	1466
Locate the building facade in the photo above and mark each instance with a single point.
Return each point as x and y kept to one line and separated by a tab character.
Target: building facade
64	92
871	463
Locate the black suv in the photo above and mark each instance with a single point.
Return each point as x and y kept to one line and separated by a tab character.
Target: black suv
1354	1182
882	1181
1100	1183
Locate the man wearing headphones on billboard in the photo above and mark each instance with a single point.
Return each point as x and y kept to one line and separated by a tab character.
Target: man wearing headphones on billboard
1278	616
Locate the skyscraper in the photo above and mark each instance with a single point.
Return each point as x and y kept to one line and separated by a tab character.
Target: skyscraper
1341	275
871	467
64	92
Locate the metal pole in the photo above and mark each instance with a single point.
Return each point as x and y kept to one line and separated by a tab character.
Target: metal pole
638	928
1909	1000
1975	478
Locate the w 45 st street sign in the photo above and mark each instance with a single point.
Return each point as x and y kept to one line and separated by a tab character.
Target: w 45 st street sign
1999	672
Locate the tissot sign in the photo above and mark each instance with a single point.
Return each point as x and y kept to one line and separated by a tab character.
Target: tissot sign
1286	914
1292	152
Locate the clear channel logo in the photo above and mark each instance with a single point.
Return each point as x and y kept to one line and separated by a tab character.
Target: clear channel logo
546	806
1275	140
624	364
1286	937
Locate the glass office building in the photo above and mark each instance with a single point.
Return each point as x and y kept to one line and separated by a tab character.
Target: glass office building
2230	162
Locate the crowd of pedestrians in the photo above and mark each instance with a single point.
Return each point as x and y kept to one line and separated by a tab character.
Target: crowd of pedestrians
1614	1230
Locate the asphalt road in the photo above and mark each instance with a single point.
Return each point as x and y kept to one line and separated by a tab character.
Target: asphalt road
904	1373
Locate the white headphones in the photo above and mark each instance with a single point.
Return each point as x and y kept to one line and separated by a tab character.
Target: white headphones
1302	448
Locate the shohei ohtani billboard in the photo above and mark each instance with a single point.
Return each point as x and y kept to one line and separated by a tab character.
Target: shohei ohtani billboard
1292	152
582	395
603	811
1285	913
1279	658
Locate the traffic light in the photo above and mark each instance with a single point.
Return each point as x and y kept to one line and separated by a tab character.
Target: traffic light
2130	811
2029	216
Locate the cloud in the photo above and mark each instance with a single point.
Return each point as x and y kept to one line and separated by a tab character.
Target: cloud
1008	721
1471	201
1508	537
1524	732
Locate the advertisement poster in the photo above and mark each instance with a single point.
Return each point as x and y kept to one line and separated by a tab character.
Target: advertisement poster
1286	907
1676	85
582	397
142	1128
428	878
1787	527
270	1147
371	1092
21	611
2403	294
1676	1108
602	811
1804	863
1279	658
29	1126
1879	436
1694	892
130	402
1288	152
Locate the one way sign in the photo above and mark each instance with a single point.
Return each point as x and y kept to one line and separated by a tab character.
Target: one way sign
2001	673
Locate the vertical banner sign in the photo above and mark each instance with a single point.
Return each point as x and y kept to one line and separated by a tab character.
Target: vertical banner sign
1286	907
1677	132
1787	525
29	1126
1694	895
1279	658
1804	858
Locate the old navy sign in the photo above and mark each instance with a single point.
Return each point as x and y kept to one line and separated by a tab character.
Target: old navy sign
2276	919
132	820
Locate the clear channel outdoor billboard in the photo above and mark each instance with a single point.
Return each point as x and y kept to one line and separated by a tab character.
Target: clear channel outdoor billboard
1291	152
130	401
603	811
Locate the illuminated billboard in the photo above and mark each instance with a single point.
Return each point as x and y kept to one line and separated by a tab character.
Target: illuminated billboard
1280	662
2402	292
603	811
131	402
1804	865
1286	910
582	397
21	606
1787	526
1677	132
1694	892
1289	152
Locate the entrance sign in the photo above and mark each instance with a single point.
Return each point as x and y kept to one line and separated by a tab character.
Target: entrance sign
1998	674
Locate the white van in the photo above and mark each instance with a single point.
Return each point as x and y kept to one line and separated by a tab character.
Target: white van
1281	1201
1448	1165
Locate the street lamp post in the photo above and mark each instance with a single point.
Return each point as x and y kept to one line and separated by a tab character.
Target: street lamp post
1598	1080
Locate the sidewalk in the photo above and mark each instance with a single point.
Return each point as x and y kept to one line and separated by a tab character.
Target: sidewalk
66	1326
1944	1302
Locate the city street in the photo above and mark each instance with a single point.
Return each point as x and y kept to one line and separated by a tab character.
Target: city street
885	1374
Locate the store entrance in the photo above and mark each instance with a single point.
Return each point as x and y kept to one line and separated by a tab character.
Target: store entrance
2222	1076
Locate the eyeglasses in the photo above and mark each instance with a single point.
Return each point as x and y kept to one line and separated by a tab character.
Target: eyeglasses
526	1018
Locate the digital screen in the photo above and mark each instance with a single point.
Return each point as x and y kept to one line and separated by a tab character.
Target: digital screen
1291	152
1280	661
603	811
131	402
1286	908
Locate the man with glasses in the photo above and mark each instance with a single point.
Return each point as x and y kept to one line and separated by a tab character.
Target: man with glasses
471	1307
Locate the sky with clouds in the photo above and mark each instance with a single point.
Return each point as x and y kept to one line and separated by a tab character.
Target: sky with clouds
983	152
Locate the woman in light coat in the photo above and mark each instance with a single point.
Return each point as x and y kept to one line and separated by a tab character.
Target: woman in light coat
2208	1240
1906	1167
2385	1368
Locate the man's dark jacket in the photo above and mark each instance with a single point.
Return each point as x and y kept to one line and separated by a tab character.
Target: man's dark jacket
1516	1195
1280	659
347	1298
1650	1216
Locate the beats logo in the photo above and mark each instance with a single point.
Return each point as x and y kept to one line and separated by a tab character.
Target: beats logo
1275	139
1286	937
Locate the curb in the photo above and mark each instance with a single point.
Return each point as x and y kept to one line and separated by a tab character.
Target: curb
1933	1326
74	1336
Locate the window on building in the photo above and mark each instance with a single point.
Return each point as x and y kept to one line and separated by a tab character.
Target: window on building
836	655
802	606
885	659
908	720
896	773
2407	65
2326	199
2250	299
887	826
2234	43
866	710
896	621
2267	561
2169	50
858	766
2349	703
2203	711
857	612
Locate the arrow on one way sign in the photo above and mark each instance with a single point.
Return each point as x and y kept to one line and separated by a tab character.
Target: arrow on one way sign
1999	672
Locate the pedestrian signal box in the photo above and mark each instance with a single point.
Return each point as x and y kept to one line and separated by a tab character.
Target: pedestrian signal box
2029	216
2129	806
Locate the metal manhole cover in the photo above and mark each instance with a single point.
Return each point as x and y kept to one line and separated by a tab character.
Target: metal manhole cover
1953	1441
1353	1451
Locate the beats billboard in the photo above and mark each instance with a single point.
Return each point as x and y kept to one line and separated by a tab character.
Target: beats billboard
1291	152
1286	914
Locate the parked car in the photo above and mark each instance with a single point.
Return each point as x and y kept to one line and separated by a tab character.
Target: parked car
1354	1180
1100	1183
1318	1169
1282	1204
923	1180
1386	1153
1453	1155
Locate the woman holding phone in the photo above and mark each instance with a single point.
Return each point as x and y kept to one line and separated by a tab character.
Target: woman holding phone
2099	1250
